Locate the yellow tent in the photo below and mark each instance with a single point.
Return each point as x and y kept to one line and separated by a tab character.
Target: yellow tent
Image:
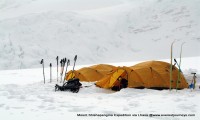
85	74
123	72
111	79
104	69
92	73
156	74
151	74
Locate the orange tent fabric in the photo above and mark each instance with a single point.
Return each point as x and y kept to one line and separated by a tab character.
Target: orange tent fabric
92	73
156	74
151	74
85	74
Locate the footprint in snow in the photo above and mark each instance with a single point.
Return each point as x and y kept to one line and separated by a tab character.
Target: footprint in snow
51	108
134	105
1	105
64	106
185	107
178	100
76	109
18	107
4	93
7	108
99	98
33	110
50	100
11	97
108	112
41	106
125	109
22	97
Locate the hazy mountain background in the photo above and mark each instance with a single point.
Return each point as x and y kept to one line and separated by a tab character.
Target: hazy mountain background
98	31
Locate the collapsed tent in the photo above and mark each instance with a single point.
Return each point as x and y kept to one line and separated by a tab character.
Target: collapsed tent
151	74
92	73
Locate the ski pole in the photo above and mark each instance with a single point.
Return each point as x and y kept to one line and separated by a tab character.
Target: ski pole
50	72
68	63
57	58
42	62
75	58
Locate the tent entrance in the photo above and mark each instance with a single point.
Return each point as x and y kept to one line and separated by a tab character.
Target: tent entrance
119	80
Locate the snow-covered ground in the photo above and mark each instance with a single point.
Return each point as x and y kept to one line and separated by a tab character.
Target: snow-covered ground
98	31
95	30
37	101
23	95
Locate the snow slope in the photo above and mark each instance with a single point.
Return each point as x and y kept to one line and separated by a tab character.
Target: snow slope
97	31
23	95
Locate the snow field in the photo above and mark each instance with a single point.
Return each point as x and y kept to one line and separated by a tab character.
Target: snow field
24	96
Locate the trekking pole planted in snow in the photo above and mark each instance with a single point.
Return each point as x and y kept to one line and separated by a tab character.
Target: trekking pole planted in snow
75	58
42	62
61	64
50	72
68	63
65	60
57	58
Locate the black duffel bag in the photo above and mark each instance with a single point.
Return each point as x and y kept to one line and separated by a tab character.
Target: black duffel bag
72	85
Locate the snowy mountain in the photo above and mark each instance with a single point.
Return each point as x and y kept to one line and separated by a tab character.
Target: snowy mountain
97	31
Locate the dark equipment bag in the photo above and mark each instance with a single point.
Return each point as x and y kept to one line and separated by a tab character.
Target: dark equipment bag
72	85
